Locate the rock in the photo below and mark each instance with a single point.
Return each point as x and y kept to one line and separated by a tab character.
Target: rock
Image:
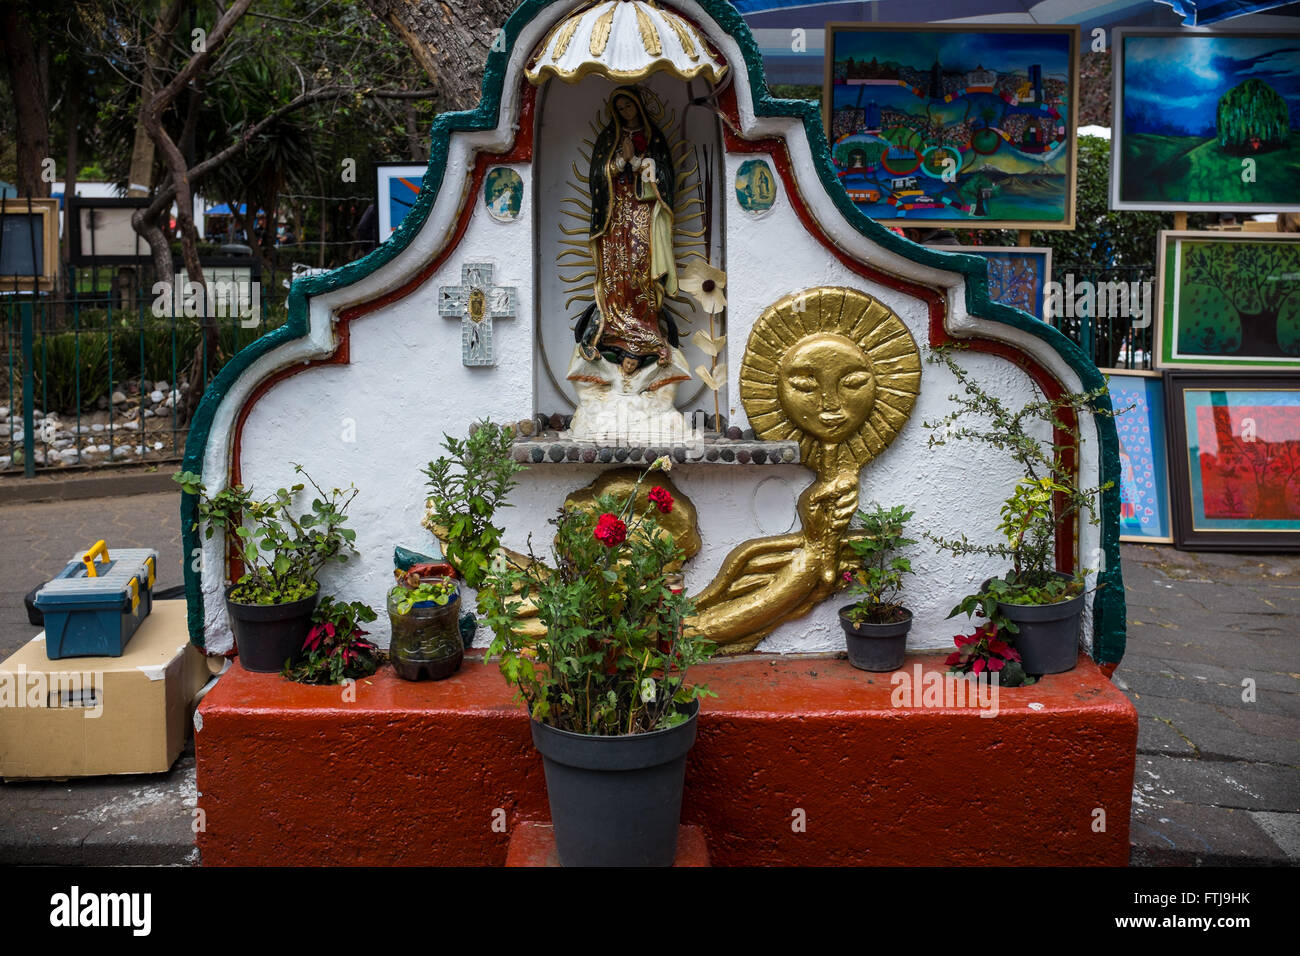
620	454
96	427
131	426
538	454
4	429
542	423
37	416
18	436
149	413
742	456
146	385
711	454
520	454
728	454
555	422
4	411
139	449
103	449
589	455
121	451
787	454
556	453
132	413
5	461
161	387
62	442
526	427
118	398
156	396
733	433
748	433
157	446
760	456
679	453
605	454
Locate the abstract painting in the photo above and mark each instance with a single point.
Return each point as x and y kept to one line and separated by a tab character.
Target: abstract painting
1206	121
1228	300
399	185
1138	400
1018	275
960	125
1235	445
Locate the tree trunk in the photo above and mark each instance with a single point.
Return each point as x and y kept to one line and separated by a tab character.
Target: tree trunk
72	113
31	100
450	39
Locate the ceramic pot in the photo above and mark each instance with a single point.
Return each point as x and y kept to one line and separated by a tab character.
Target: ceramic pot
268	635
876	647
616	801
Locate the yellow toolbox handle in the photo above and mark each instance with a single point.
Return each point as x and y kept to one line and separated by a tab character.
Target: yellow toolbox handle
153	575
135	595
88	559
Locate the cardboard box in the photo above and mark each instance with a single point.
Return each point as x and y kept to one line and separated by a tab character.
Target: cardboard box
101	715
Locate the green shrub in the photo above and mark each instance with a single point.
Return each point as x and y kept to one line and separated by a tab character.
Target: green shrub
70	365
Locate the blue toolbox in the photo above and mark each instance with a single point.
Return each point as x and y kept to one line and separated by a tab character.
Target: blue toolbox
93	607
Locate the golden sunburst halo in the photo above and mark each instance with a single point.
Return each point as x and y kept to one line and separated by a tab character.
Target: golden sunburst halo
838	321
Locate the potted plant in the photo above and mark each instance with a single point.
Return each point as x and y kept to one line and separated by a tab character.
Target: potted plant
336	648
270	606
1032	605
425	615
596	650
875	628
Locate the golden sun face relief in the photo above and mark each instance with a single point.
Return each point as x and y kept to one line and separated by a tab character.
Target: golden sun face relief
830	367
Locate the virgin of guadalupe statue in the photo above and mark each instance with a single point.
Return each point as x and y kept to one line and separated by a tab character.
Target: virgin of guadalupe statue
631	180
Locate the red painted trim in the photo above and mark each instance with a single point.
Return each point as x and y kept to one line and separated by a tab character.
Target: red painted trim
1052	388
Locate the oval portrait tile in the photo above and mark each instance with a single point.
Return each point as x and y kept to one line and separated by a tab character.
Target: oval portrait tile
503	193
755	186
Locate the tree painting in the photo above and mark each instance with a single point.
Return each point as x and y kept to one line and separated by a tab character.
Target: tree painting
1252	116
1239	299
1250	462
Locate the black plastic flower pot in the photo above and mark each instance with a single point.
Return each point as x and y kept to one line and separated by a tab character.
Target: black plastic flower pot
1048	639
876	647
267	635
616	801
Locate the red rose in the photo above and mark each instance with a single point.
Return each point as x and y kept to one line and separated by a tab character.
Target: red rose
610	530
662	499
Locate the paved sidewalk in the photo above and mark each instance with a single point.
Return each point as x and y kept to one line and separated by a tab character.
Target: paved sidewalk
1218	771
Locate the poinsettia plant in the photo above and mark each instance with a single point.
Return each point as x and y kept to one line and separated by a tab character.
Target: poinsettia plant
614	653
336	647
984	652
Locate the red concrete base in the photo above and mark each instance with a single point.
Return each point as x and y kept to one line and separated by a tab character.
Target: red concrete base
801	761
533	844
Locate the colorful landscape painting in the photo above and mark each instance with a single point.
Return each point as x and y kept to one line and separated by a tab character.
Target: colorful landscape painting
1230	301
961	126
1207	120
1246	459
1138	401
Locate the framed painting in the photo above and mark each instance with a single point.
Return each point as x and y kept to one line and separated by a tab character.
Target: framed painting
963	125
1205	121
399	184
1139	402
1228	300
1234	454
1018	275
29	244
102	233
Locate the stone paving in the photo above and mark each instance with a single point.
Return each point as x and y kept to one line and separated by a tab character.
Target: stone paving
1212	666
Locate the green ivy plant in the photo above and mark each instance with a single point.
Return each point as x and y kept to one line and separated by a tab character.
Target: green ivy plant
437	591
1045	499
467	486
281	551
879	581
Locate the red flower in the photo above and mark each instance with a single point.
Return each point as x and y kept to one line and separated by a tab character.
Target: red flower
610	530
662	499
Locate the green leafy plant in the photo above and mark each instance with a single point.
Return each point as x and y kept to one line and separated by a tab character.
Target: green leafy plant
1043	501
437	590
467	486
336	646
614	655
880	579
281	552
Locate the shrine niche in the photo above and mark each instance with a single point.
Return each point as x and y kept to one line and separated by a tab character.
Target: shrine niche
631	251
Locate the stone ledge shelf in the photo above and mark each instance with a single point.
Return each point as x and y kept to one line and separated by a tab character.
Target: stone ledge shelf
552	448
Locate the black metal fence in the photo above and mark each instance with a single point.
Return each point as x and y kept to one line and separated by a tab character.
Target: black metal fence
109	372
1108	310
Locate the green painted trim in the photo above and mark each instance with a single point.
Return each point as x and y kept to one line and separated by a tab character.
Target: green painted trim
1108	606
